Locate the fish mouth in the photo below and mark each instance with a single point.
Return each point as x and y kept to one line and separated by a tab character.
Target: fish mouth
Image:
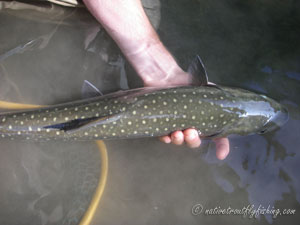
281	117
276	121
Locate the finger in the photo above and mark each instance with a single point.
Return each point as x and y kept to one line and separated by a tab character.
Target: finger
177	138
191	137
165	139
222	146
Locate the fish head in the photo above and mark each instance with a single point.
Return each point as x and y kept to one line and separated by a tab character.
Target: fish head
277	116
257	114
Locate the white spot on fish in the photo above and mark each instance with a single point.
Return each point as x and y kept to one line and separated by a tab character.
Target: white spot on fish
113	134
222	115
203	124
44	119
211	118
167	119
224	122
205	96
145	106
122	130
47	130
174	100
39	129
154	120
19	132
221	97
97	114
129	123
66	118
185	106
105	107
57	133
184	95
165	103
66	109
10	127
104	126
191	100
153	101
135	132
86	108
193	117
183	116
202	112
144	122
32	116
157	129
174	125
212	103
134	112
76	109
14	116
86	133
161	112
3	119
96	135
21	122
30	128
54	119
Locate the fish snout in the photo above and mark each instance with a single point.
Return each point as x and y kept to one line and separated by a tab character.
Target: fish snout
281	117
276	121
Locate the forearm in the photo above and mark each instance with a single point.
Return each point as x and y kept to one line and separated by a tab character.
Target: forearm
127	23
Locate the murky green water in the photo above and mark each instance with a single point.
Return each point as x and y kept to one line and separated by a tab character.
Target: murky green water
248	44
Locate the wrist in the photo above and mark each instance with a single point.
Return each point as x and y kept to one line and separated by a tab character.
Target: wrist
156	66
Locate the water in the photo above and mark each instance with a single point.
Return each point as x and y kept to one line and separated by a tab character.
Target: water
252	45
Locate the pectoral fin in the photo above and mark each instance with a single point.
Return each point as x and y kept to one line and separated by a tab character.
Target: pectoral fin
88	90
215	135
75	125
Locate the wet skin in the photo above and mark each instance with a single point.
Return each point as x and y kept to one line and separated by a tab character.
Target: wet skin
214	112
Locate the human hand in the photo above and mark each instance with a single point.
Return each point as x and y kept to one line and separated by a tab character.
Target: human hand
129	26
190	136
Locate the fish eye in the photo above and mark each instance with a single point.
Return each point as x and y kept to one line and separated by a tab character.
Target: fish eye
263	131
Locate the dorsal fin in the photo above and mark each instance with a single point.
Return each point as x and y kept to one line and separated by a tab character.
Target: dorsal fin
198	72
89	90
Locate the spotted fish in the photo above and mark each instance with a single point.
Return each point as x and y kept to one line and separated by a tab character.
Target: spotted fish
215	111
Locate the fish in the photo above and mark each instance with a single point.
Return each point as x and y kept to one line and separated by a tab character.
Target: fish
213	110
